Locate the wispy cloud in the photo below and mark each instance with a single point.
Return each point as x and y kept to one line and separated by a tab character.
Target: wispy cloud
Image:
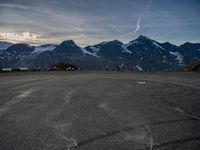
18	6
22	7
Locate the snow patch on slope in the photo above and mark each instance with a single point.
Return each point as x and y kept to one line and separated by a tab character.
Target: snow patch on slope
139	68
157	45
179	57
43	48
125	49
89	53
95	49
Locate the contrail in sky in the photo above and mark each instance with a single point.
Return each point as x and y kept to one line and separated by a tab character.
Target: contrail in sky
140	18
142	27
151	23
115	28
138	26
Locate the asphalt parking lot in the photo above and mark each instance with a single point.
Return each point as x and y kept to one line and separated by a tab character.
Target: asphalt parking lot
99	111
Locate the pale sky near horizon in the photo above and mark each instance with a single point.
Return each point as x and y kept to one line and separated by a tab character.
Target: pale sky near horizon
89	22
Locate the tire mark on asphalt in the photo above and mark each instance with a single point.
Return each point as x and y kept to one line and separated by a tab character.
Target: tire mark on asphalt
160	81
180	110
176	107
7	106
25	80
115	77
24	85
151	80
175	83
178	91
176	142
58	127
125	129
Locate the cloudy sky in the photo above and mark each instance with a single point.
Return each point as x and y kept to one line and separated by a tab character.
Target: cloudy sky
93	21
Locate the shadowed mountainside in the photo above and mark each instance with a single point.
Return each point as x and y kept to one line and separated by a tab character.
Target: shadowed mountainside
143	54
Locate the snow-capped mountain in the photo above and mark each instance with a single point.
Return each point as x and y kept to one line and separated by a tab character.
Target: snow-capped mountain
68	48
143	54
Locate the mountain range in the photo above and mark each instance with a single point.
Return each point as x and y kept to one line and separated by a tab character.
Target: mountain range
142	54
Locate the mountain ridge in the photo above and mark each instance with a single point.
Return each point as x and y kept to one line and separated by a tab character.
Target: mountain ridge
143	54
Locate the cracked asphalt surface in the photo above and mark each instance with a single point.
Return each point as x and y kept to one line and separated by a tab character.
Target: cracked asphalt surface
99	111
